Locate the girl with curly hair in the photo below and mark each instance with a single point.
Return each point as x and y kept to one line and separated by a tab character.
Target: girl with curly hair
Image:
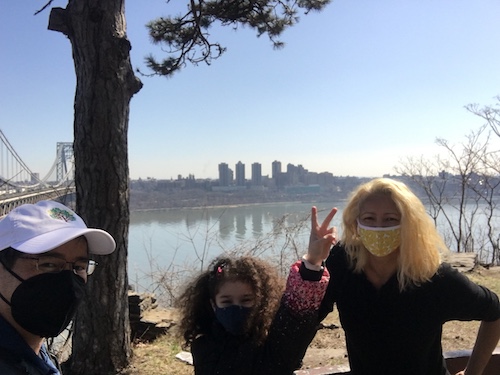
238	319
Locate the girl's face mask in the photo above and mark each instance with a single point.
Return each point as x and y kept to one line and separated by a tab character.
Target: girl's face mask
380	241
233	318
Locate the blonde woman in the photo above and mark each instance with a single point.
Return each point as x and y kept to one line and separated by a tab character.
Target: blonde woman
391	287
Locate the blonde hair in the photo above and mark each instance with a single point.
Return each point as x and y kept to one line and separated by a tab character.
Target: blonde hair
421	244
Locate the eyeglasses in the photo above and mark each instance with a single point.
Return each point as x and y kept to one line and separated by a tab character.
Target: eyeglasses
50	264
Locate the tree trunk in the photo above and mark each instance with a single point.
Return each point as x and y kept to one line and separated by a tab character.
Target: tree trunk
105	83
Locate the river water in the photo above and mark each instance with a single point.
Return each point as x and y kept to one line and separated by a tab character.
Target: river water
167	245
176	240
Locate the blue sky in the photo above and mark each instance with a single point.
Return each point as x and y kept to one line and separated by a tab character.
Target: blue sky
357	88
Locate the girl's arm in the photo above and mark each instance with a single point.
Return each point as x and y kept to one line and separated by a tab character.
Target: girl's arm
296	321
308	279
305	288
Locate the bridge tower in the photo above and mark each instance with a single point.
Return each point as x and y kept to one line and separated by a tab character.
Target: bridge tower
64	157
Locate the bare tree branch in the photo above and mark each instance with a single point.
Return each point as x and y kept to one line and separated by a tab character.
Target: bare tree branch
44	7
490	113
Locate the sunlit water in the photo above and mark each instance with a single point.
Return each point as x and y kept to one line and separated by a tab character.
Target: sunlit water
190	238
180	242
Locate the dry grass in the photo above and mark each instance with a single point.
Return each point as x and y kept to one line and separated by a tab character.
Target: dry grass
327	348
158	358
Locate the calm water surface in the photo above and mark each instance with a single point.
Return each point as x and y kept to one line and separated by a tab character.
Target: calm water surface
159	239
185	240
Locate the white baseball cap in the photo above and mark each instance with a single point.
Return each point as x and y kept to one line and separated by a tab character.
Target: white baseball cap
41	227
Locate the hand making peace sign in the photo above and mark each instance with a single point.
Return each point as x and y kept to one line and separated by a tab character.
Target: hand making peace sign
322	237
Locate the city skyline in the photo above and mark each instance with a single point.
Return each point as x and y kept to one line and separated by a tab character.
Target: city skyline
226	173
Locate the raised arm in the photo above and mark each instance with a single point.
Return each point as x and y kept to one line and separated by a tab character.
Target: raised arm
296	322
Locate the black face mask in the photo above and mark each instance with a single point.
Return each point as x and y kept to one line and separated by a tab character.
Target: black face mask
233	318
45	304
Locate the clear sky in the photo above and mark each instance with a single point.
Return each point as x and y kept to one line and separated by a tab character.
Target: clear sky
357	88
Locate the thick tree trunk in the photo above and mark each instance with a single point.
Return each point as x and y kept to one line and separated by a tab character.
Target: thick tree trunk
105	85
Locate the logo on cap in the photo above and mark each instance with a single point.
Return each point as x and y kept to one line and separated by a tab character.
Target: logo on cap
57	213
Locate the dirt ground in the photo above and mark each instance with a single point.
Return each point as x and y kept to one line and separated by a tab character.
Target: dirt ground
327	348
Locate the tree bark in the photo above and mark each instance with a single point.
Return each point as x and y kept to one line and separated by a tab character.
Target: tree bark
105	83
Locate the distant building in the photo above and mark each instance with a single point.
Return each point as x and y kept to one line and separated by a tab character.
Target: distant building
225	175
311	189
292	174
276	169
279	177
240	174
326	179
256	174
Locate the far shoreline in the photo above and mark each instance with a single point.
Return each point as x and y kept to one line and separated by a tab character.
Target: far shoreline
232	205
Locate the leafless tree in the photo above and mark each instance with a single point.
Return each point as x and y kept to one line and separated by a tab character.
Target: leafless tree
460	186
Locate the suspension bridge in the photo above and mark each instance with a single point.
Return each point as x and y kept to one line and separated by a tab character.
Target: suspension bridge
20	185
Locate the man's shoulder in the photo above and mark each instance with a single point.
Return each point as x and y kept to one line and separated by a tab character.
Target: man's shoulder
14	361
11	364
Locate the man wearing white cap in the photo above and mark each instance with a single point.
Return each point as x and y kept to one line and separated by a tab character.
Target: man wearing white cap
44	265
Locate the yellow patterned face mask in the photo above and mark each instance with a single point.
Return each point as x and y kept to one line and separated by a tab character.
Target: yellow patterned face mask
380	241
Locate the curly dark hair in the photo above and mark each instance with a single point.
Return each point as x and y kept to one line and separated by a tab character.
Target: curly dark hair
197	314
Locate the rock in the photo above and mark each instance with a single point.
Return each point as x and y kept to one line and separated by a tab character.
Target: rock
147	320
464	262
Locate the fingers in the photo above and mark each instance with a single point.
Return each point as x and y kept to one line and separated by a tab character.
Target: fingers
320	249
331	234
326	222
324	234
322	237
328	219
314	217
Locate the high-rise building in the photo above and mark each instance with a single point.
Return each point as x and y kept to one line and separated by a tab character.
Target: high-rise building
240	174
256	174
276	170
277	175
292	173
225	175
